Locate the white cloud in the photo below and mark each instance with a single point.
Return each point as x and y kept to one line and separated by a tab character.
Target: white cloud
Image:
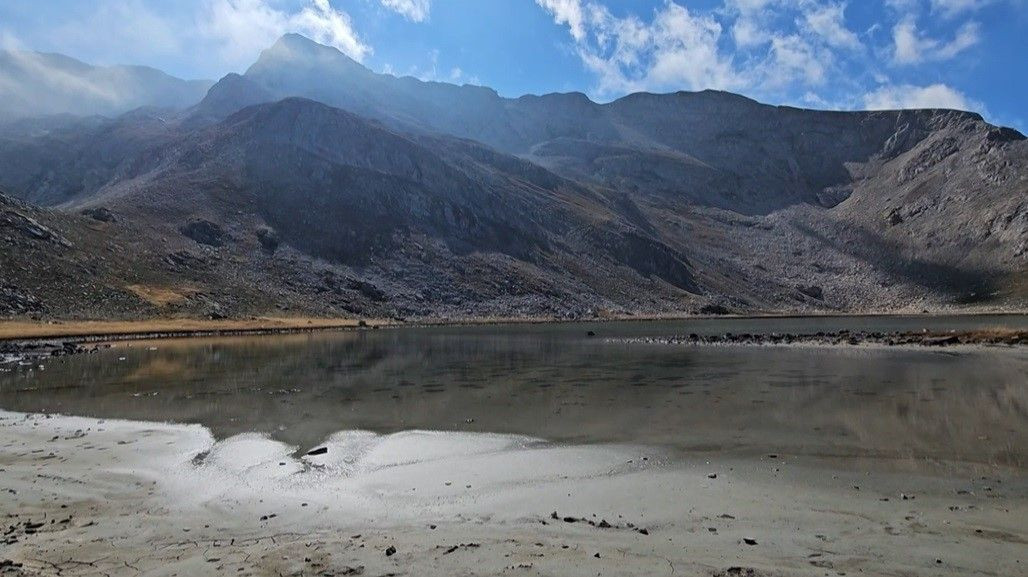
567	12
786	51
903	6
946	8
747	32
954	7
828	22
413	10
750	27
893	97
676	50
242	28
796	59
815	100
912	47
755	21
778	44
685	50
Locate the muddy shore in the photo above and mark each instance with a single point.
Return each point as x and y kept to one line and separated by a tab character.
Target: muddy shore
28	343
998	337
92	497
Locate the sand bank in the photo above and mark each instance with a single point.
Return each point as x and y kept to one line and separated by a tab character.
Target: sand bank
98	330
84	497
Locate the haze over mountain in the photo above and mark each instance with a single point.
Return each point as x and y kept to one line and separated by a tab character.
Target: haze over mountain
34	84
311	183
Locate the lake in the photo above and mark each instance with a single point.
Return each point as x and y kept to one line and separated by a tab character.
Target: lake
915	407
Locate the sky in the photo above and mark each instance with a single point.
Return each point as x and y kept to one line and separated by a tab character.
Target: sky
832	54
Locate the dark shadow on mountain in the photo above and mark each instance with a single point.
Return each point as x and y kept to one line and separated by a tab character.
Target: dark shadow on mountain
964	286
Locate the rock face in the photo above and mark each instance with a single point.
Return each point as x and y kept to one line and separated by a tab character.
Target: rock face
337	190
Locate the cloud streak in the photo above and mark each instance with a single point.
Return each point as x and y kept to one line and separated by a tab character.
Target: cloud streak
413	10
908	96
912	47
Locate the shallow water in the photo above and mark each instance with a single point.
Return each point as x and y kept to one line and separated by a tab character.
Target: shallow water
918	408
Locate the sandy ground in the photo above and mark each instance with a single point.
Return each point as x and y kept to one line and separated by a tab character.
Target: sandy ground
12	330
26	329
90	497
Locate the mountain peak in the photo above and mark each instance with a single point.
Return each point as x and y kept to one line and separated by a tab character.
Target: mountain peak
293	47
296	41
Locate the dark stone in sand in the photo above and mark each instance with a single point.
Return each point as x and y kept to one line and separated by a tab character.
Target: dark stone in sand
749	541
390	551
318	451
738	571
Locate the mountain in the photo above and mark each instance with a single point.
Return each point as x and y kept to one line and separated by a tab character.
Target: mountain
312	184
331	213
34	84
708	148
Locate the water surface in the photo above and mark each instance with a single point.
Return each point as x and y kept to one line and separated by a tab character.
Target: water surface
911	406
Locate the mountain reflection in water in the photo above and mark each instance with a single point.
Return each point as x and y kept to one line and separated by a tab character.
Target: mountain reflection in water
554	382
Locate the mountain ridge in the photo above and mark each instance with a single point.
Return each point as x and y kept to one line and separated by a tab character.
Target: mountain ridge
341	191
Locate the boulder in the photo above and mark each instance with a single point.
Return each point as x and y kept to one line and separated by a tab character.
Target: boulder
204	232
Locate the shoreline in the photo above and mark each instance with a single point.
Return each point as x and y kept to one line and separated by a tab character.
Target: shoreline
1007	338
445	503
104	331
96	331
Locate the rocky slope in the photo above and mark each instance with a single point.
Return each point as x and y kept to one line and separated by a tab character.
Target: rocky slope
327	212
380	195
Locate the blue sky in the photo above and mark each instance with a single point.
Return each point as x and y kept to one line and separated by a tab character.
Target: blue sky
970	54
